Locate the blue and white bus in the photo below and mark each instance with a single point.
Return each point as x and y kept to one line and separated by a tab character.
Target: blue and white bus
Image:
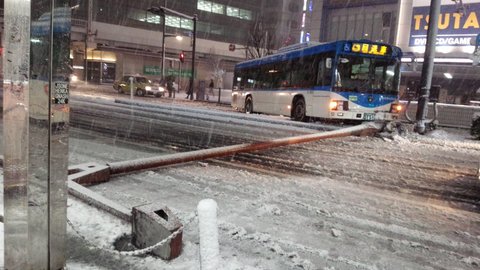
343	80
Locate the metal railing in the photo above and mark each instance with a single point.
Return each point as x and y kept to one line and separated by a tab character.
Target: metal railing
449	115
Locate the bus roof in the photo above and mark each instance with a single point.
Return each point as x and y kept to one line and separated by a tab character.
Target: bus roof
306	49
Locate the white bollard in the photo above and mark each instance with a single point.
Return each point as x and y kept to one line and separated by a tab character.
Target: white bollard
131	87
207	223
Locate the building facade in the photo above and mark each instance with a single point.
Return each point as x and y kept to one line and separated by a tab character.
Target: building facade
458	27
404	23
121	37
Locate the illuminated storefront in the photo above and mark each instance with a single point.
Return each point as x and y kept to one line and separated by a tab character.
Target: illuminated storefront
458	26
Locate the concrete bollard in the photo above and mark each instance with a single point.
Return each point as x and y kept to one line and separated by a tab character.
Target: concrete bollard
151	224
207	223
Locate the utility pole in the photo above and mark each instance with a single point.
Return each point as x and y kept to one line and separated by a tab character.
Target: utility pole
164	29
88	33
427	69
195	18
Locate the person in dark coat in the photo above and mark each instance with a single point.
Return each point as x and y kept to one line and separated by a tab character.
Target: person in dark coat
170	86
211	85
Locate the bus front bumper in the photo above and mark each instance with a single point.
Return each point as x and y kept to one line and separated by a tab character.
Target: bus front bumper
363	116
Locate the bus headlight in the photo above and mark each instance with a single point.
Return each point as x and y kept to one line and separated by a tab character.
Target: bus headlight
333	105
338	105
396	108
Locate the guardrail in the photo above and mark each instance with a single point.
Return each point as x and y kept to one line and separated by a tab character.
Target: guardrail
449	115
79	23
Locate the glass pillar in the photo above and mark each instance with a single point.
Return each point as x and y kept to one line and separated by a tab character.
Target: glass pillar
36	120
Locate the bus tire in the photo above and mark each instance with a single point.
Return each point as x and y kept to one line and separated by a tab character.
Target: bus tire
120	90
249	105
298	112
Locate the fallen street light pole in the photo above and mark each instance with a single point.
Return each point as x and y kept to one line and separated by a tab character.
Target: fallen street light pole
93	173
124	167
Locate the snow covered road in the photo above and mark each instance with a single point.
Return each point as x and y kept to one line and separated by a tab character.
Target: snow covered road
407	202
352	203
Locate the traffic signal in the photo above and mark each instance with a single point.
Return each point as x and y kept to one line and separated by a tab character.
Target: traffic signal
182	57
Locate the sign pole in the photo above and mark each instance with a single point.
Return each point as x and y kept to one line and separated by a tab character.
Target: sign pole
427	69
192	79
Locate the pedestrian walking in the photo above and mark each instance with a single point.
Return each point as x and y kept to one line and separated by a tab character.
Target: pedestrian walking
170	86
189	93
210	89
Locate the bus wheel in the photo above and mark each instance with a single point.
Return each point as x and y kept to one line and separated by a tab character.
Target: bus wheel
120	90
249	105
298	113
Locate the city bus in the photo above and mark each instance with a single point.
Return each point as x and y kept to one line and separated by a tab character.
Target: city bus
342	80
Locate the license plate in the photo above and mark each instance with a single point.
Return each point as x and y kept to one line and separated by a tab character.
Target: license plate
369	116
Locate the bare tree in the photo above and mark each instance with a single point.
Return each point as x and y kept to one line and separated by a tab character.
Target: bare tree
214	61
260	41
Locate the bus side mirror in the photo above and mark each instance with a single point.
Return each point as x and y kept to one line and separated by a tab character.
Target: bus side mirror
328	63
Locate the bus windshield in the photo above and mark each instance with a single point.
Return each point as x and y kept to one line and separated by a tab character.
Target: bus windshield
366	75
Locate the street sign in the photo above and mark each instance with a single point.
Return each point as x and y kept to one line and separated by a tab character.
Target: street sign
179	73
151	70
231	47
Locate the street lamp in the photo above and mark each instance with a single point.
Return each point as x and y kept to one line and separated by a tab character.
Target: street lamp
164	35
161	11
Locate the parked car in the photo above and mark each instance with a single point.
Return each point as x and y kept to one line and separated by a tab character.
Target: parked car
141	86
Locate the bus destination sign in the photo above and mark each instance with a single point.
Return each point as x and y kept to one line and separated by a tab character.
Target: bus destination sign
367	48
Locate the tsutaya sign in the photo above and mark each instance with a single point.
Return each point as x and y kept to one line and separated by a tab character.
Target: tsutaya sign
454	28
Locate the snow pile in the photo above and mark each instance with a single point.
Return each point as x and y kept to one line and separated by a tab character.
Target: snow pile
99	228
452	135
269	209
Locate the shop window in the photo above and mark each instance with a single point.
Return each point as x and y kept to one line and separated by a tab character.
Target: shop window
218	8
172	21
245	14
204	5
216	29
239	13
232	11
186	24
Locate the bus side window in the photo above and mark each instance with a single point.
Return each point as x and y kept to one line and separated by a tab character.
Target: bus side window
324	76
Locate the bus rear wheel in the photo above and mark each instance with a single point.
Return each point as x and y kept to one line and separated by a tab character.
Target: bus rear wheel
249	105
298	112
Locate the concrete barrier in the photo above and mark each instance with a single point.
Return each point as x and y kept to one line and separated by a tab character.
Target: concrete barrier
153	223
